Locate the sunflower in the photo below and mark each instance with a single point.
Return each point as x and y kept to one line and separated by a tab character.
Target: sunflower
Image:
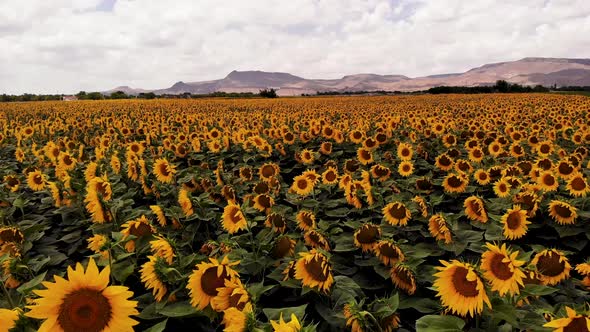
562	212
326	148
277	222
405	168
438	228
11	235
283	246
366	236
502	188
236	320
97	244
8	319
390	323
403	278
577	186
205	281
302	185
444	162
330	176
151	278
552	265
388	252
185	202
574	322
281	326
548	181
502	270
460	288
268	171
233	219
231	295
263	202
397	214
36	180
314	270
162	248
364	156
355	318
380	172
139	227
164	171
421	202
157	210
84	302
482	177
315	239
475	209
455	183
583	268
12	182
307	156
515	223
305	220
246	173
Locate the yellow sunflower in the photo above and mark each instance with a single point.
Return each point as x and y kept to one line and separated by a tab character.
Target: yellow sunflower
236	320
150	276
233	219
562	212
162	248
552	265
548	181
305	220
403	278
263	202
460	288
482	177
281	326
405	151
302	185
364	156
184	200
388	252
502	188
515	223
475	209
574	322
284	246
397	214
438	228
455	183
444	162
315	239
231	295
405	168
164	171
84	302
36	180
277	222
577	186
8	319
314	270
157	210
330	176
97	244
205	281
366	236
502	270
139	227
268	171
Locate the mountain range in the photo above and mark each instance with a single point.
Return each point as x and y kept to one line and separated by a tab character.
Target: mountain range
527	71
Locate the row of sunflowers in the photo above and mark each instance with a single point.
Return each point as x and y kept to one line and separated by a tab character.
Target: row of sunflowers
409	213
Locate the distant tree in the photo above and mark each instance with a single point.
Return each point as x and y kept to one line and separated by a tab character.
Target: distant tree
119	95
148	95
502	86
94	96
268	93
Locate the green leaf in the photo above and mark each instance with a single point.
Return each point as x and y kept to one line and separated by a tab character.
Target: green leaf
423	305
275	314
435	323
29	285
122	270
257	289
180	309
538	290
161	326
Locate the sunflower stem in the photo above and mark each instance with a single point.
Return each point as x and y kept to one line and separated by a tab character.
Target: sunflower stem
7	295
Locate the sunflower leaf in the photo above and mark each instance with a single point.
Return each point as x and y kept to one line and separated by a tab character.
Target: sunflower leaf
161	326
29	285
436	323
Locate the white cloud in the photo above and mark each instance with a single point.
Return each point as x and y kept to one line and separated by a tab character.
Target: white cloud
70	45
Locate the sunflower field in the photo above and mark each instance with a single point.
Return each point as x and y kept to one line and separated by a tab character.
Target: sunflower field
396	213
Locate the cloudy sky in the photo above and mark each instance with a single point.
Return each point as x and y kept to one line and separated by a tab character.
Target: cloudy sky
64	46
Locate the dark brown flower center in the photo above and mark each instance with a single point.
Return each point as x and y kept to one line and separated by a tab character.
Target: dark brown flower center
367	234
455	182
549	264
577	324
281	247
268	171
314	268
84	310
462	285
302	184
562	211
578	184
398	211
210	281
500	269
514	220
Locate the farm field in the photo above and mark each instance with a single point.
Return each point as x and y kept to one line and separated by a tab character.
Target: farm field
427	213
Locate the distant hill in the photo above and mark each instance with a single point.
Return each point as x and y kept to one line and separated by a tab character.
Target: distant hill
527	71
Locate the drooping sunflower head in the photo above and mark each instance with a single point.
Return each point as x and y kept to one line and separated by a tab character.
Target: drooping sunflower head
84	302
460	288
307	156
403	278
475	209
314	270
232	294
263	202
11	235
562	212
283	246
396	213
152	277
305	220
366	236
315	239
139	228
439	229
207	278
388	252
277	222
552	265
502	269
233	219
